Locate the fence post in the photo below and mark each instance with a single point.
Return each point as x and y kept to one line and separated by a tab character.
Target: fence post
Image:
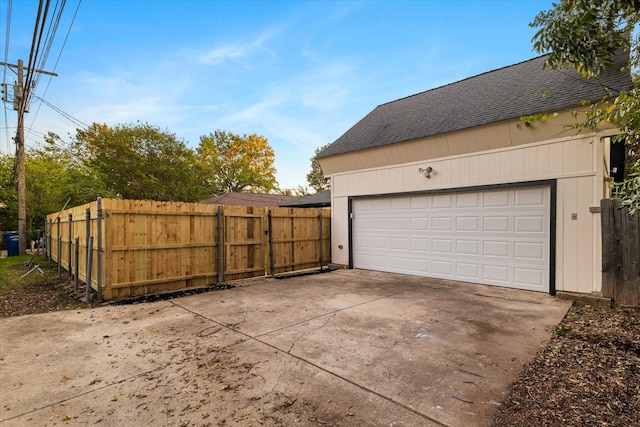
609	258
47	239
220	245
270	233
77	259
70	241
100	251
320	238
88	281
59	248
629	236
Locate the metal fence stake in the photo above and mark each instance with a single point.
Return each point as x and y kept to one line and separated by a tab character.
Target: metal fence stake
88	281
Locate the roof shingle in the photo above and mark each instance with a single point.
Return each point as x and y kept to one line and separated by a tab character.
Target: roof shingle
506	93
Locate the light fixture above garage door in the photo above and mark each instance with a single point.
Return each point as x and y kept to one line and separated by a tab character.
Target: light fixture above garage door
427	172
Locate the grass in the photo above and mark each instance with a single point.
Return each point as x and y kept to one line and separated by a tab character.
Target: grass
11	269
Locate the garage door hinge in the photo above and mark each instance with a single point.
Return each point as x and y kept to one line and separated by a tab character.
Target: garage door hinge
351	215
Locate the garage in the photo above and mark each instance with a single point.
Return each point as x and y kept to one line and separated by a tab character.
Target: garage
499	236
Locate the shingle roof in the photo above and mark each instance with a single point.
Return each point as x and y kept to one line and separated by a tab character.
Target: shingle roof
317	200
502	94
250	199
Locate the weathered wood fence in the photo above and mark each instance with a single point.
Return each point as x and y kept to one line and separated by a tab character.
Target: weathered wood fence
126	248
620	254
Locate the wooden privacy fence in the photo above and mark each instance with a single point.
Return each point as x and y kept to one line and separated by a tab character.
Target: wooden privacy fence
620	254
124	248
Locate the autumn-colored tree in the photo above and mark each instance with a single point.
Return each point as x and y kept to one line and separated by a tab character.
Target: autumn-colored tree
141	161
315	177
237	163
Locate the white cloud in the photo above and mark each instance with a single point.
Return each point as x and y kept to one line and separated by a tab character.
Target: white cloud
236	51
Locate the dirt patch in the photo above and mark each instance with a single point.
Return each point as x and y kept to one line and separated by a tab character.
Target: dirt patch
589	374
33	295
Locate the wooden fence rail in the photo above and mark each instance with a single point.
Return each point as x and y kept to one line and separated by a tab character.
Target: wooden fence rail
620	254
130	247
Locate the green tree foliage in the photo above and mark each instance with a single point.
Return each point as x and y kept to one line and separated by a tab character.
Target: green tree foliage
237	163
54	175
8	193
585	34
140	161
315	177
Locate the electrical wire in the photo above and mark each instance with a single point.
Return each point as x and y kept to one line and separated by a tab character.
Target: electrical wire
67	116
55	66
33	55
4	74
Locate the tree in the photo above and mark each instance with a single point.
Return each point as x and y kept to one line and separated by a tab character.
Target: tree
141	161
237	163
8	193
315	177
586	34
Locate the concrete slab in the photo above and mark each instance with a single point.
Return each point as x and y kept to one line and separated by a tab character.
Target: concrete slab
348	347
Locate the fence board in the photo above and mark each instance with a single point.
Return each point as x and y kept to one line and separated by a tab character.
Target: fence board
153	247
620	253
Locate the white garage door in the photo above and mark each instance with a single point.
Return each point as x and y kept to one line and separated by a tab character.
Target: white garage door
496	237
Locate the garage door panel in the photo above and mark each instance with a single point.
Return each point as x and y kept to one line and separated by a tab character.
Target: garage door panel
419	223
442	246
399	243
420	265
468	223
496	274
529	224
399	203
442	201
496	199
496	223
468	247
497	237
529	250
442	268
530	197
468	271
529	277
418	245
496	248
442	224
467	200
379	243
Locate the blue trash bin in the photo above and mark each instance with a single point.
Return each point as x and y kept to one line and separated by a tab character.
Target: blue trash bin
11	240
13	245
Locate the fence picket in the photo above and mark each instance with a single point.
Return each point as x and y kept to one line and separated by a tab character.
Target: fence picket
144	247
620	253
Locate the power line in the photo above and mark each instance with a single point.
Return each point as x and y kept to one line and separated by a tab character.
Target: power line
67	116
55	66
4	74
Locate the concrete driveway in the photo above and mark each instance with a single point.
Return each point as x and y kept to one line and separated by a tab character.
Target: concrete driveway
348	347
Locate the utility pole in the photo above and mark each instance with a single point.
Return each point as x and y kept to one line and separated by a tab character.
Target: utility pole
20	104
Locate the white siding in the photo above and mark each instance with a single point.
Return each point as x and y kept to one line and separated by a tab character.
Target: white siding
575	162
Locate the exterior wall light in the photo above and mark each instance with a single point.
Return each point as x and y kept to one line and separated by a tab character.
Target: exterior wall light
426	172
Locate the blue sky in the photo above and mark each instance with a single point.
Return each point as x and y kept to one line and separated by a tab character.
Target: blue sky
300	73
